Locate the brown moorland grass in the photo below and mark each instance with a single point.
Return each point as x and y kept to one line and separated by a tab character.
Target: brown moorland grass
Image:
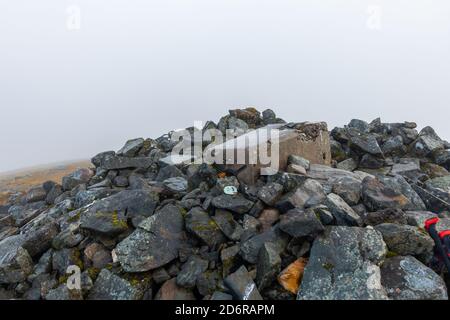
23	179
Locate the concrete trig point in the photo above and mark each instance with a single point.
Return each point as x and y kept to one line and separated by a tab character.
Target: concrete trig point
247	154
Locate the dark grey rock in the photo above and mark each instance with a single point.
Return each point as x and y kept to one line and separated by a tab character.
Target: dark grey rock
190	271
405	278
79	176
390	192
176	184
344	265
37	193
342	212
113	162
131	147
310	193
154	243
394	146
224	219
348	188
385	216
15	262
167	172
62	259
407	240
236	203
38	240
359	125
109	286
269	265
242	286
349	164
24	214
249	249
300	223
218	295
200	224
270	193
366	144
231	259
109	216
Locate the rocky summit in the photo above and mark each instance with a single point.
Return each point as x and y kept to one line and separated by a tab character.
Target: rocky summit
342	217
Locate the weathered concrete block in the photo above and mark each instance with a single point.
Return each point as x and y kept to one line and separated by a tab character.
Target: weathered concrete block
257	152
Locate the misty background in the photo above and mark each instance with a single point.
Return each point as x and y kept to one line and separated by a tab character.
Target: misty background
83	76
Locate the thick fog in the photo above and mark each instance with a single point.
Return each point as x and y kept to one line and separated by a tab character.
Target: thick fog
83	76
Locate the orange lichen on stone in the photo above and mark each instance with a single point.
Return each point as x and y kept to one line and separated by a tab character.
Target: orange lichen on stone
291	277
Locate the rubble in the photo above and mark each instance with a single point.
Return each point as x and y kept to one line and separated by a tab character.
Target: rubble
341	217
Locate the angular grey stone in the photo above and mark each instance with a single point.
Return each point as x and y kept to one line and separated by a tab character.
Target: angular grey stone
385	216
190	271
342	212
113	162
249	249
24	214
38	240
269	265
224	219
79	176
300	223
168	172
108	286
348	188
154	243
176	184
344	265
131	147
218	295
230	259
109	216
236	203
242	286
200	224
405	278
390	192
37	193
427	142
310	193
348	164
15	262
270	193
365	144
407	240
394	146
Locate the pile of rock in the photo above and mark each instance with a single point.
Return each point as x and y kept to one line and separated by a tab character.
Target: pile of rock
137	227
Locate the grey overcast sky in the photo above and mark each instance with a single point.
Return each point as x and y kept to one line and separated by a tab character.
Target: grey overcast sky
82	76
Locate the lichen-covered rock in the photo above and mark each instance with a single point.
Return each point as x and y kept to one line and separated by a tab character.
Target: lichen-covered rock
109	216
407	240
154	243
200	224
406	278
388	192
15	262
109	286
344	265
190	271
